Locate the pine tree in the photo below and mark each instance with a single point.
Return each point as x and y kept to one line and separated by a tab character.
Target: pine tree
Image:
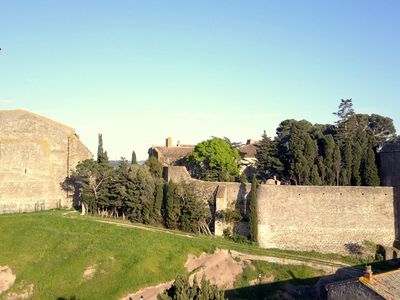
253	219
345	110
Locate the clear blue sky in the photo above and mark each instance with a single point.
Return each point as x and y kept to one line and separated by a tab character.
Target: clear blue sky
139	71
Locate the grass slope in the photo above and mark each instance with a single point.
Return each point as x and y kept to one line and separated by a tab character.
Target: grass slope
52	252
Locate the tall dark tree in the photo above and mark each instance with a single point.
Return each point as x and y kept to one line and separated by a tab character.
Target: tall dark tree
133	160
102	156
156	168
268	165
347	162
253	218
159	196
172	206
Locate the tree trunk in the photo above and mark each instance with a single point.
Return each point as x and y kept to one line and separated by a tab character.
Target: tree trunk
84	210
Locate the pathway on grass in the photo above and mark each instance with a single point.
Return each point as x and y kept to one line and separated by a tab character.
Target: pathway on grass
320	263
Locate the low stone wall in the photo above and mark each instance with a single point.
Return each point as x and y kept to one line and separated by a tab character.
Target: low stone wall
325	219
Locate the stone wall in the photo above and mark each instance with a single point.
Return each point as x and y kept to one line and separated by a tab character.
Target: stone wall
390	165
325	219
36	155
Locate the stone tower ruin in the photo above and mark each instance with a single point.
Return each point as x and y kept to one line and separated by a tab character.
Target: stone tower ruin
36	156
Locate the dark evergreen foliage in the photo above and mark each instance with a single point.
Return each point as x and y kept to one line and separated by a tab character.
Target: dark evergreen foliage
318	154
253	219
182	290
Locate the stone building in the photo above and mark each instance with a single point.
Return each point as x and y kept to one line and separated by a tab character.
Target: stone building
170	154
36	155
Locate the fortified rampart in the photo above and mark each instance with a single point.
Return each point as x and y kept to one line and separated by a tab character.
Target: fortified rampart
36	155
325	219
321	218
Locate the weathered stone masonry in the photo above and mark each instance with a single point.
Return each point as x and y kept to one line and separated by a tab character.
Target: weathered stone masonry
321	218
325	218
36	155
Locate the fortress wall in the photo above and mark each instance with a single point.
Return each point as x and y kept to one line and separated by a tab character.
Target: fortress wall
35	157
325	219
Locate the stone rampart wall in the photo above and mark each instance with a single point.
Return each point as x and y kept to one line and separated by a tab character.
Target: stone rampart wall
36	155
325	219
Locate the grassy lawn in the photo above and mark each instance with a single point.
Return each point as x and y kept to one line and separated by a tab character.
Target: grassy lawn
273	276
52	252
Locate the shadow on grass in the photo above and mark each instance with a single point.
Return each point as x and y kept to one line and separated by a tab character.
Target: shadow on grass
310	288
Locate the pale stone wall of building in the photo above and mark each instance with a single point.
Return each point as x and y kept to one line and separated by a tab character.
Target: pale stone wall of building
325	219
36	155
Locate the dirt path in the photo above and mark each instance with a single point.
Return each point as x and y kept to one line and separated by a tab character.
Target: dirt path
329	268
7	278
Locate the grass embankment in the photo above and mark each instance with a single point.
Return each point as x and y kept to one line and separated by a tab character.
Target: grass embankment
261	280
52	252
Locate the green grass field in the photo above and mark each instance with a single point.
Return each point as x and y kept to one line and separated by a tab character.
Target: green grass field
52	251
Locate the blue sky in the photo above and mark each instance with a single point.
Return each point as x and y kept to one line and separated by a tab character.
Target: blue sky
139	71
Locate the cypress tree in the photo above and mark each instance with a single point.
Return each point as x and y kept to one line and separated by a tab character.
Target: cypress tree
133	160
369	168
159	195
102	156
253	219
315	178
268	164
347	163
355	171
171	220
337	164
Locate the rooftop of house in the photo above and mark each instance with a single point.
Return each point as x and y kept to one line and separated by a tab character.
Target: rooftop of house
385	284
250	149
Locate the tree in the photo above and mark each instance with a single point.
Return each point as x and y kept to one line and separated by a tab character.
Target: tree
172	206
133	160
253	219
159	197
214	160
345	110
182	290
194	212
347	162
370	170
93	179
156	168
143	184
102	156
268	164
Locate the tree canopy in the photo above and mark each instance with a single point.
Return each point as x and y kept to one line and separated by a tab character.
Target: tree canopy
214	160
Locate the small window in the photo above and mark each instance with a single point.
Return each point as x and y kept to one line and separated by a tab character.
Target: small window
26	171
